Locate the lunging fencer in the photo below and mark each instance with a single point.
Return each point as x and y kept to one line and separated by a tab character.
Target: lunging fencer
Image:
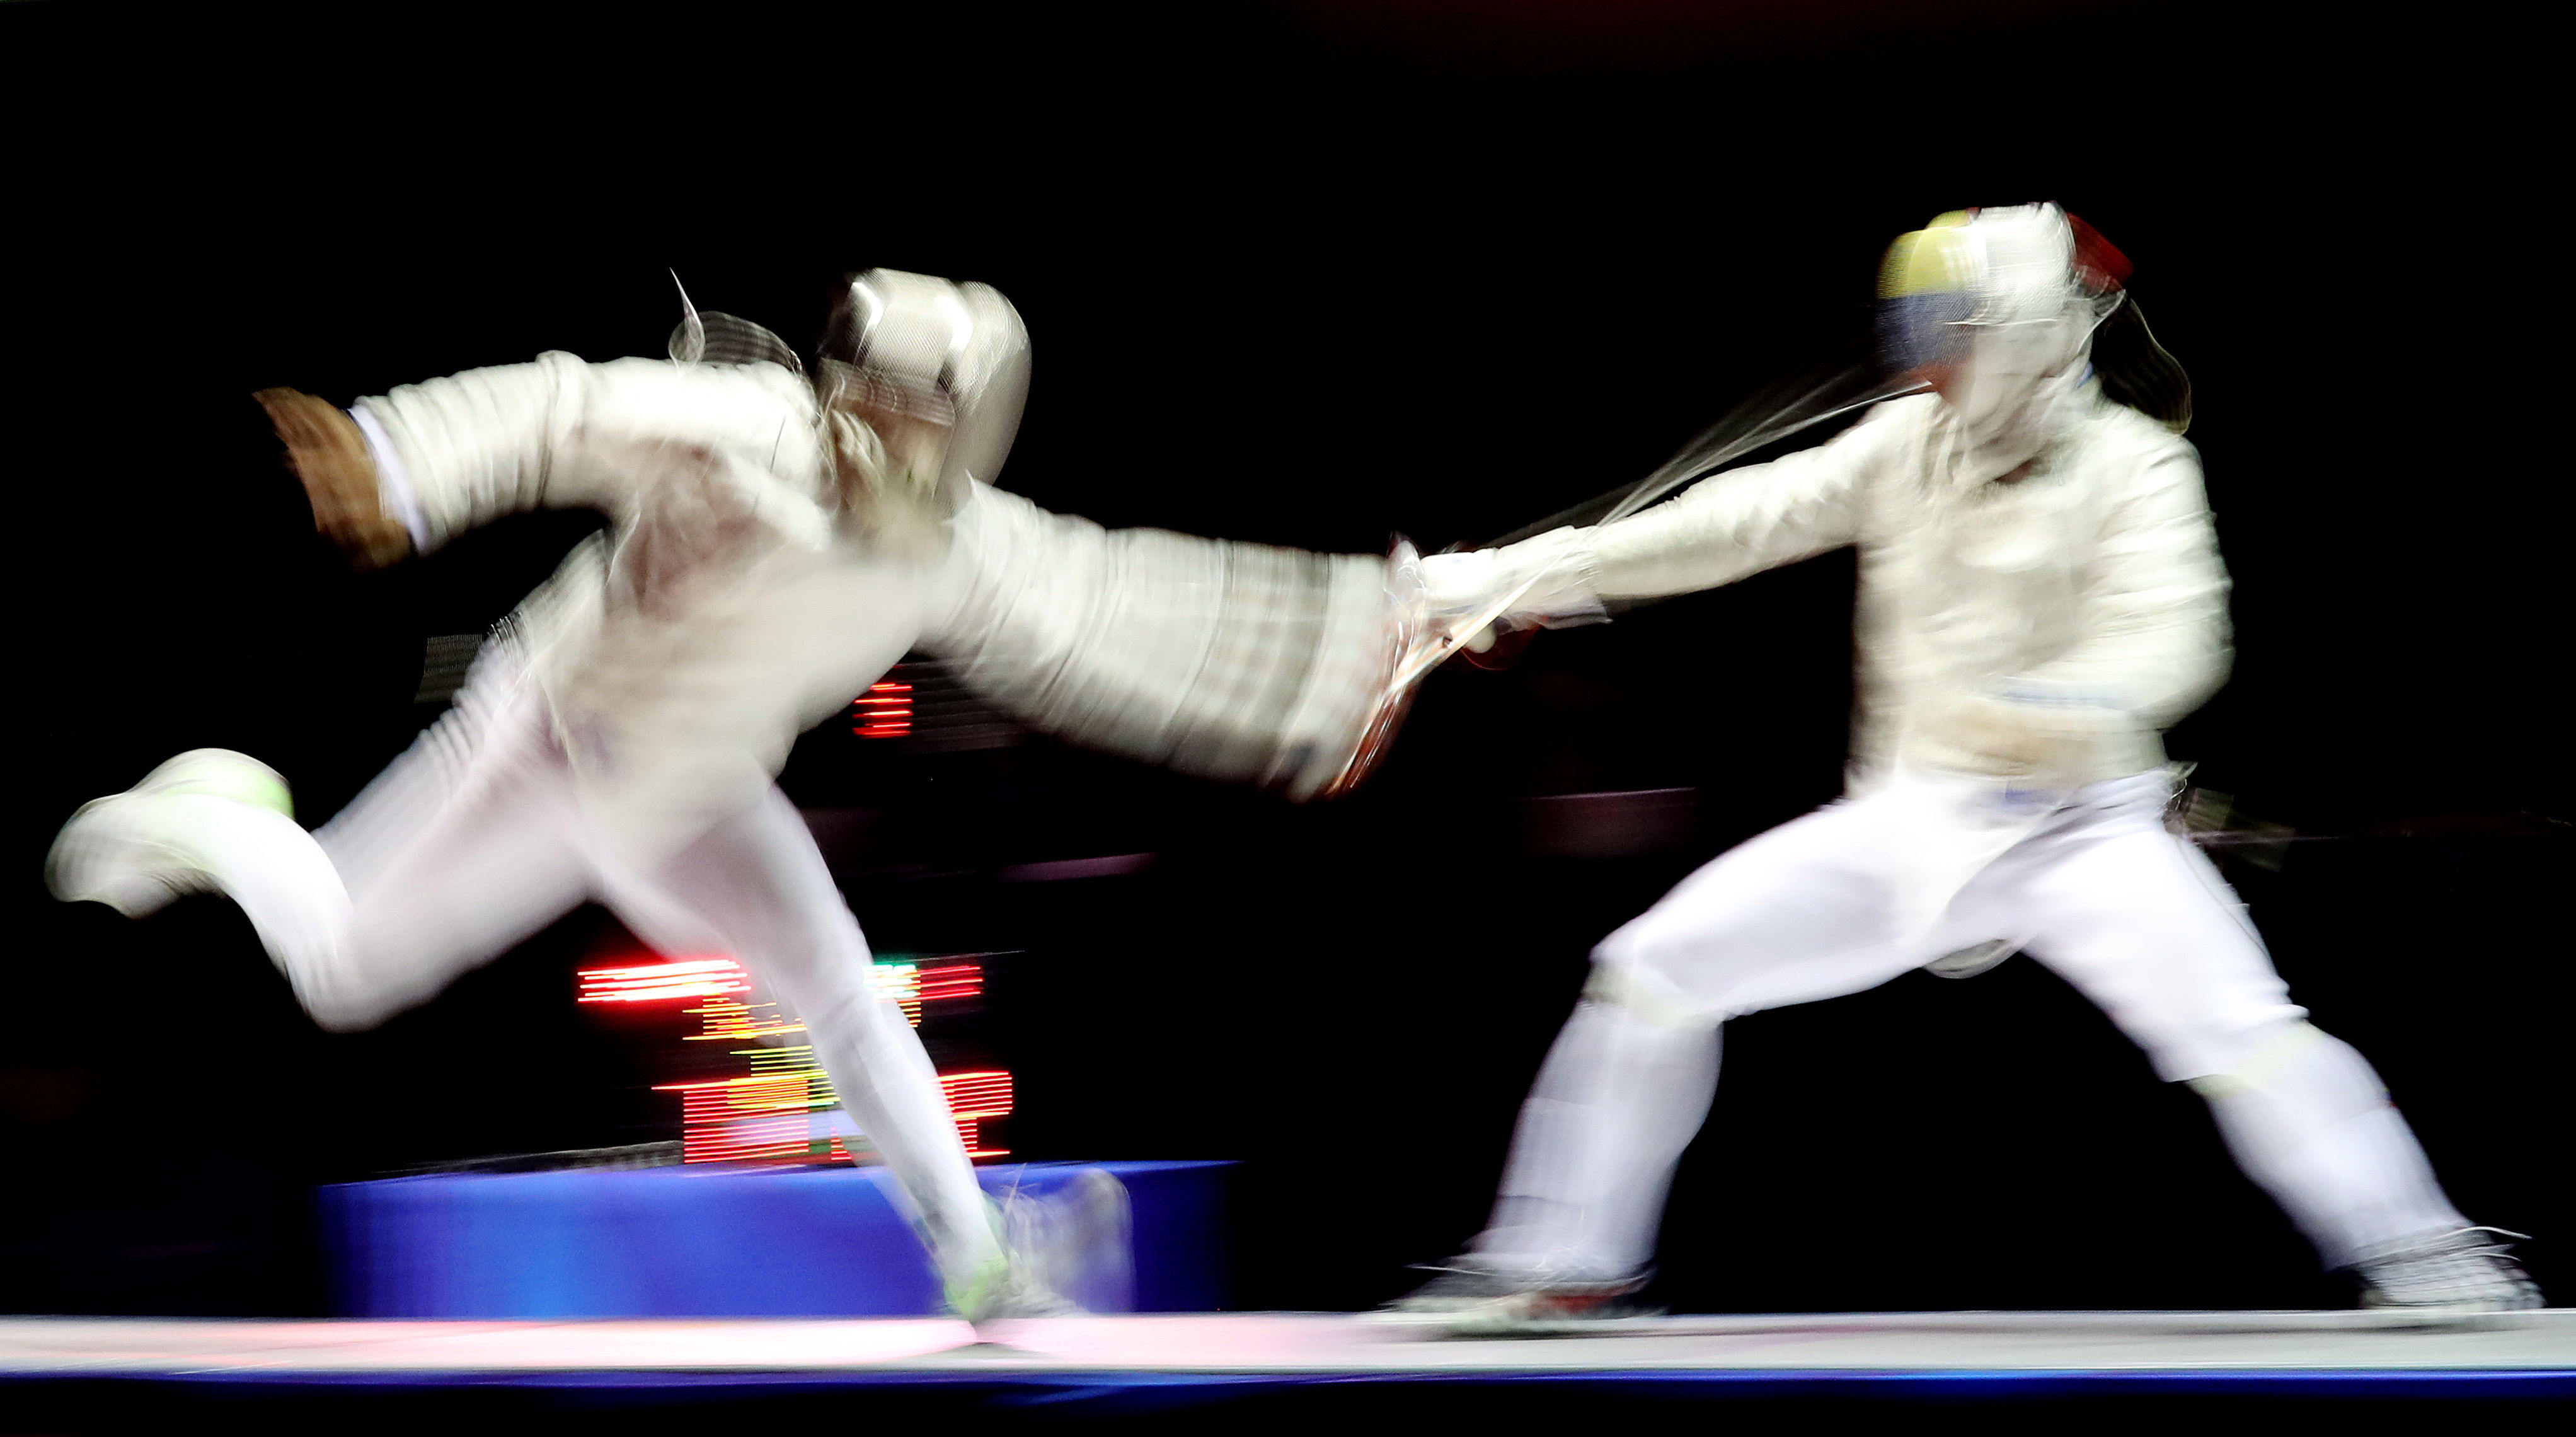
2040	596
776	542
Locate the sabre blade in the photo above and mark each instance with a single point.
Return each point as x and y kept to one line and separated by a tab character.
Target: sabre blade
1691	465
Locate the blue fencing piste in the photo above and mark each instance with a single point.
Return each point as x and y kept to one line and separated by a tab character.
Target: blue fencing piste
713	1241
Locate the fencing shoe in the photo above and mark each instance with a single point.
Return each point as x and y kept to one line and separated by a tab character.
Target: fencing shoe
2461	1271
1004	1289
136	851
1468	1297
1066	1249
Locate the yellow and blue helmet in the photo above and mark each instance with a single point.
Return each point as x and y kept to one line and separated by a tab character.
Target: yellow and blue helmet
1988	266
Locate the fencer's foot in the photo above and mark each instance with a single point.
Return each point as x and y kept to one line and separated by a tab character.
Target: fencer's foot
131	850
2452	1272
1467	1297
1065	1251
1002	1289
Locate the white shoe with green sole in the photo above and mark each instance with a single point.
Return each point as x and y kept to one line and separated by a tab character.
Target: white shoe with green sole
133	851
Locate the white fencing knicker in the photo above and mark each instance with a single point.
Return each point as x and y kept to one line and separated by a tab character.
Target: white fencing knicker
2096	889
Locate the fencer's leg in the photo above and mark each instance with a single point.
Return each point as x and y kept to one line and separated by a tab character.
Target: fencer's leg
1797	914
1623	1091
463	846
467	844
208	820
2142	924
475	878
760	883
2308	1121
460	883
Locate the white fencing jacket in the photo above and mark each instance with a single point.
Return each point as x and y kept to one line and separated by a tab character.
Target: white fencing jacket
731	604
2083	600
736	601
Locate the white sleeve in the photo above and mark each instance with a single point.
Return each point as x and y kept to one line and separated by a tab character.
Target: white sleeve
1739	523
1716	532
475	446
1242	662
563	434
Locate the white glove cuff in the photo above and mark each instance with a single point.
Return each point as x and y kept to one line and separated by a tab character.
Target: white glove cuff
1547	581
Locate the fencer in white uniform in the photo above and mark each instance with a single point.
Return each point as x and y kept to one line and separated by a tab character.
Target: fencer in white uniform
2040	595
774	545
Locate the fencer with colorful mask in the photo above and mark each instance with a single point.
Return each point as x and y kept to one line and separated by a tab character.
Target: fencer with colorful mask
1985	313
2040	596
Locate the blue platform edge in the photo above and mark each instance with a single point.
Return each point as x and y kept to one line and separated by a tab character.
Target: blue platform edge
714	1241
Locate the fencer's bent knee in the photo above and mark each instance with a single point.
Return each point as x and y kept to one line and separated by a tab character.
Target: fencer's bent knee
361	984
2253	1059
1620	981
347	1009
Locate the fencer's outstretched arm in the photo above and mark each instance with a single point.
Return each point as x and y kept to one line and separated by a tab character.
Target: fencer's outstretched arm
1952	678
1714	533
1739	524
1234	661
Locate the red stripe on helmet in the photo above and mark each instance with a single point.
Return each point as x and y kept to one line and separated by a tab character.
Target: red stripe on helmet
2098	262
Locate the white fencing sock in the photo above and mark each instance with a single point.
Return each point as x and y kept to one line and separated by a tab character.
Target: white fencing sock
2310	1123
1619	1098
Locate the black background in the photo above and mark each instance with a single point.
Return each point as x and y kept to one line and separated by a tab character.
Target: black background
1307	275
